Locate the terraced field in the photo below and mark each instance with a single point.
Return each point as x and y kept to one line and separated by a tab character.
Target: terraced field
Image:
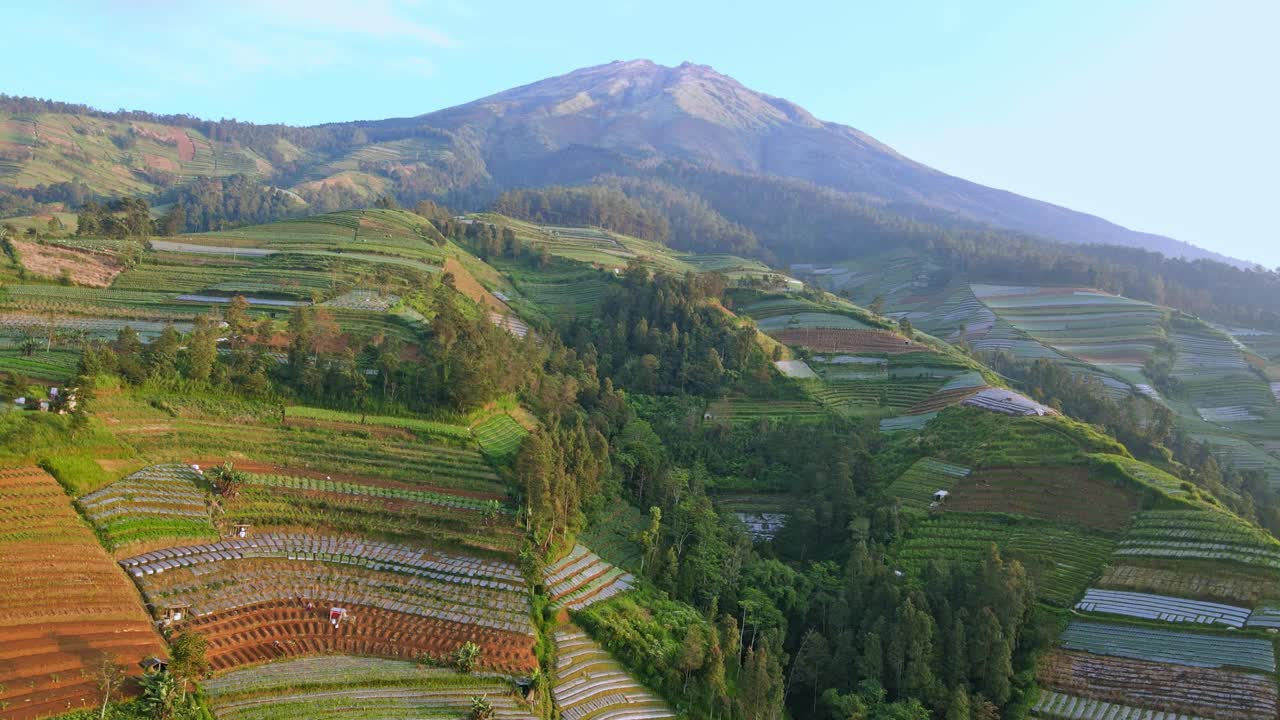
356	688
613	537
1106	330
417	425
916	487
161	502
773	313
749	410
581	579
1061	559
891	395
499	436
269	595
1061	706
1086	684
1204	579
1163	608
1063	494
1199	535
830	340
397	511
74	604
1168	646
198	435
591	684
560	291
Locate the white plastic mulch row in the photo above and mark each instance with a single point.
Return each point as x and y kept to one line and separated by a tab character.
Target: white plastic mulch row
794	369
590	683
1008	402
762	526
1162	607
1061	706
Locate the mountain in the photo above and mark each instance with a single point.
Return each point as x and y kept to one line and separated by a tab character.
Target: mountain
631	119
640	109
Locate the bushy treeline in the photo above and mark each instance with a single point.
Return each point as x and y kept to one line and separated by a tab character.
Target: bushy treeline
126	218
817	621
668	334
464	361
218	203
592	205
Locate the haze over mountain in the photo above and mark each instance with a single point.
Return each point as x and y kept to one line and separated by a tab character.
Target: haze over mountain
650	112
701	135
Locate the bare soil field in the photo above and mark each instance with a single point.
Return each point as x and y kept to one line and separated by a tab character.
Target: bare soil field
85	268
469	286
75	602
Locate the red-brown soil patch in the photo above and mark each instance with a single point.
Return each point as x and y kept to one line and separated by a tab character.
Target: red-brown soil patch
86	268
1066	494
845	341
74	603
159	162
943	399
274	629
465	283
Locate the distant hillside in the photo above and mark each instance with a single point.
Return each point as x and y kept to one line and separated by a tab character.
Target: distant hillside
635	118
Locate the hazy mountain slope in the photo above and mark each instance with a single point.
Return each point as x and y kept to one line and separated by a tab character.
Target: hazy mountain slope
642	110
625	118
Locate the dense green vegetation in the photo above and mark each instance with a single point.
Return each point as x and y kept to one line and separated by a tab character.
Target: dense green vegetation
653	428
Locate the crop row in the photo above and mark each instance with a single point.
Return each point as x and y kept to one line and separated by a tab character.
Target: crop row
428	427
371	515
354	688
1062	560
916	487
457	502
500	436
1191	649
590	683
1094	682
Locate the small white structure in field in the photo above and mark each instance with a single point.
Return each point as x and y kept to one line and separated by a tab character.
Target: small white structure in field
337	615
941	496
174	613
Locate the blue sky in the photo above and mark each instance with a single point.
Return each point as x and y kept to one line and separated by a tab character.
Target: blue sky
1161	116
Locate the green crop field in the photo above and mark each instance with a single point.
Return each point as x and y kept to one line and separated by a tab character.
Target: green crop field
916	487
206	434
499	436
356	688
423	427
1199	535
749	410
1062	560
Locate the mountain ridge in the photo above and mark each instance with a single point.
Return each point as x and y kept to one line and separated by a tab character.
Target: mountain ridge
868	167
625	117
